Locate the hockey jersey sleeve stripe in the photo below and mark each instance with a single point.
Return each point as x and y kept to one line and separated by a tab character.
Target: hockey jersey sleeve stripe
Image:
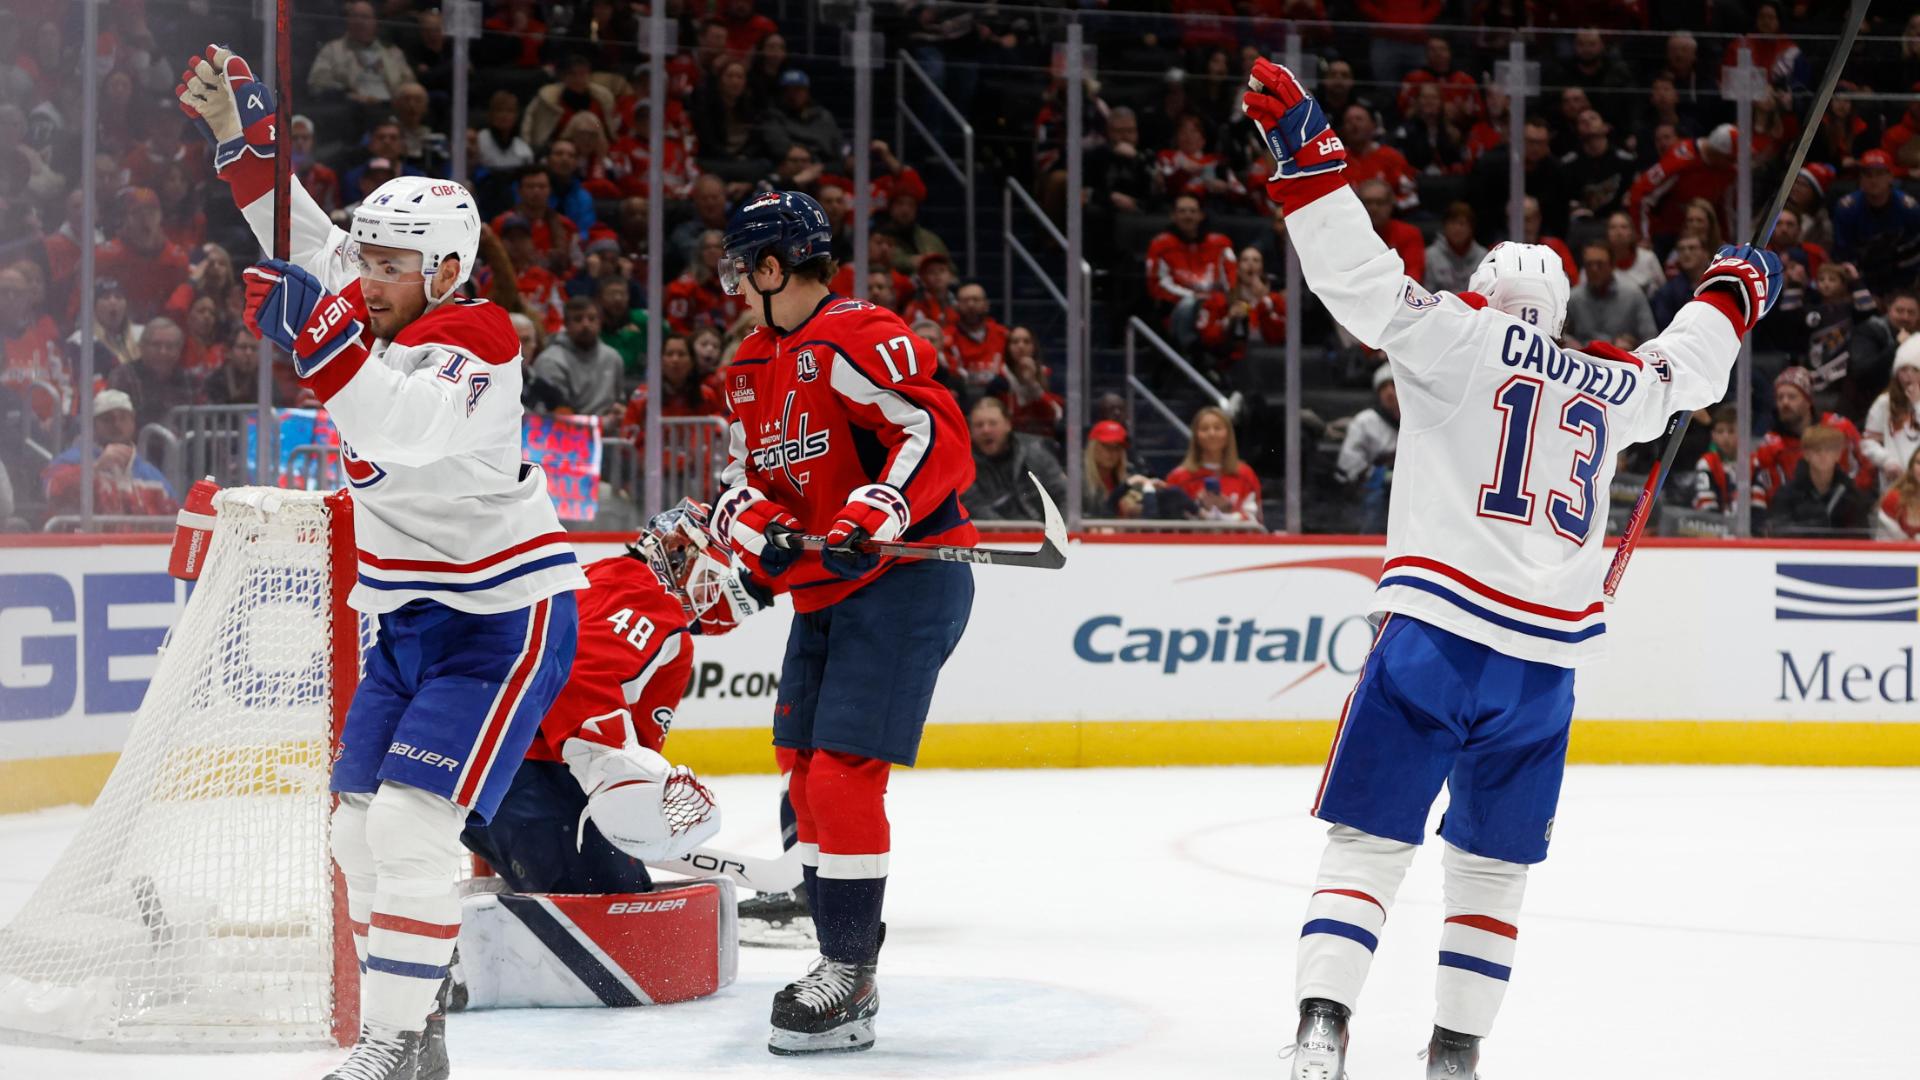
915	423
1491	593
367	558
1423	585
563	558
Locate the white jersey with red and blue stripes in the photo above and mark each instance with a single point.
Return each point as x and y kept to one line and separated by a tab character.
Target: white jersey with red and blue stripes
1497	526
445	506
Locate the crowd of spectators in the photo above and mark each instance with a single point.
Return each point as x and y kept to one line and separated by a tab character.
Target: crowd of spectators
1628	156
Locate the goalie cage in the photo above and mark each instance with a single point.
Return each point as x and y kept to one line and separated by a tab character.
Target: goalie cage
198	905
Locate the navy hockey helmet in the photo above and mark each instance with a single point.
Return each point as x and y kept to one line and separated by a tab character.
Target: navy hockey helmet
790	225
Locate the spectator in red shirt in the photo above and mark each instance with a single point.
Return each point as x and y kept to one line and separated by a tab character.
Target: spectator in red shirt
1368	160
1691	169
933	290
554	237
1034	408
1398	235
1788	242
745	28
1185	265
1902	140
1250	313
881	247
123	481
694	298
1455	85
1777	455
1189	168
321	182
976	341
32	344
1530	232
1222	487
682	391
540	291
1899	515
519	22
141	257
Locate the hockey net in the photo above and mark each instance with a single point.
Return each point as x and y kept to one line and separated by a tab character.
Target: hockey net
198	903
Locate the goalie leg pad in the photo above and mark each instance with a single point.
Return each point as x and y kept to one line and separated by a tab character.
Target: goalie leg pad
1477	942
414	836
533	844
535	950
1359	875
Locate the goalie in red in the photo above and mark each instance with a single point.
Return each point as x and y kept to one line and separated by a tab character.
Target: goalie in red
595	801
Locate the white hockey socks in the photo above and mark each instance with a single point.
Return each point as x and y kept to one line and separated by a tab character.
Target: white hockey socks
1359	875
1477	943
350	851
414	838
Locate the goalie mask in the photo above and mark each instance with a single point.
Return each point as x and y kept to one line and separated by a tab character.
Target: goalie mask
1527	281
676	545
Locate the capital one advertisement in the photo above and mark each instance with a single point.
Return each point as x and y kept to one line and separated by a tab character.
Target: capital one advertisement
1148	632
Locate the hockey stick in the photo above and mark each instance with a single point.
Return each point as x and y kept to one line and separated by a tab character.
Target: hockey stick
1762	232
761	875
1050	555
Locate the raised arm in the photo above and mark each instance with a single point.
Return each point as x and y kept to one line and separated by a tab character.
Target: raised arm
236	113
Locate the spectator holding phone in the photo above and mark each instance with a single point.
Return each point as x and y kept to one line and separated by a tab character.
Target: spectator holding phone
1222	487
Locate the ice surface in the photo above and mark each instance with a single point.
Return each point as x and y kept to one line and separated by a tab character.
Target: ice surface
1696	923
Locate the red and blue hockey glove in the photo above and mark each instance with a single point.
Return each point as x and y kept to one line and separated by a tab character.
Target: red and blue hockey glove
874	512
289	307
1747	276
1296	129
752	526
230	107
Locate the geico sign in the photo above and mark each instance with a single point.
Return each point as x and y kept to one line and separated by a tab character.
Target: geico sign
1107	639
1819	678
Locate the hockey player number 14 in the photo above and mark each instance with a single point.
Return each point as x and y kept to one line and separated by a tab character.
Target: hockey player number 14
904	344
1507	498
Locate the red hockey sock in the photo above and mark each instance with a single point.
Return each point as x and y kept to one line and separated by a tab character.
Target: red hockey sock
846	800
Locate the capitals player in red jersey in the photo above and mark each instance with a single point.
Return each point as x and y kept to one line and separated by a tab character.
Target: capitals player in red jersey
1490	594
839	429
462	560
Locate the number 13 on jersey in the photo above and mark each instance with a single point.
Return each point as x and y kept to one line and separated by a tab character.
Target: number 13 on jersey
1509	497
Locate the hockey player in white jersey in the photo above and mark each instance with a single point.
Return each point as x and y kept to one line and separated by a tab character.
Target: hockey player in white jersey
461	557
1490	595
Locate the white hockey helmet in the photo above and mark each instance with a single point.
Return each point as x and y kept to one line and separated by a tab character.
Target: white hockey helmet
437	218
1527	281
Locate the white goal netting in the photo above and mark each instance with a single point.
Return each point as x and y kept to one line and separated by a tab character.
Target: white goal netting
196	903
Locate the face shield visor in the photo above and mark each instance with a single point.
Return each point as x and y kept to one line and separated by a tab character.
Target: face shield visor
392	266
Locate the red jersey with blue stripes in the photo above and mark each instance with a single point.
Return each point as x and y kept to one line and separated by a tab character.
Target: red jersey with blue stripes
846	399
630	663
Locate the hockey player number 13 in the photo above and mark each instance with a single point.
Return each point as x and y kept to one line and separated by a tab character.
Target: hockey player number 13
1570	513
904	344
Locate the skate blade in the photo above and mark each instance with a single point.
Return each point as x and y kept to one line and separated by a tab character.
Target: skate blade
848	1038
792	934
1316	1066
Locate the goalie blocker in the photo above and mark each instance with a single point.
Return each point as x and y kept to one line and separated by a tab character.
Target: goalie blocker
559	951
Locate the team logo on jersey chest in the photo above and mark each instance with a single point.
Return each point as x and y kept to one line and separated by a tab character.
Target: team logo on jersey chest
741	392
793	444
805	366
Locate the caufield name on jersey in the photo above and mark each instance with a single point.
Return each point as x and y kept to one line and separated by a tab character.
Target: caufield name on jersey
1528	351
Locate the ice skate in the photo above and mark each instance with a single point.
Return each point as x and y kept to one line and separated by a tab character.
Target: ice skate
1452	1056
1320	1047
381	1055
829	1010
782	920
433	1041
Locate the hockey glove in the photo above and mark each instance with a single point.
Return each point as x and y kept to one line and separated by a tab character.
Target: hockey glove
1747	276
740	596
1296	130
289	307
644	806
232	110
874	512
753	526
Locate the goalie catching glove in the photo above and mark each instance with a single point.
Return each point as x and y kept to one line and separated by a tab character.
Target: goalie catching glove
232	109
644	806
